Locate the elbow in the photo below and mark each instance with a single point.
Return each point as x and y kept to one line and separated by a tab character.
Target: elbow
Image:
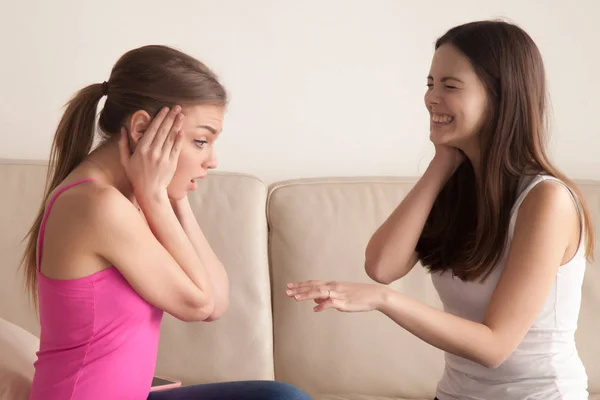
494	359
221	303
198	311
379	272
376	273
492	363
373	267
376	269
219	310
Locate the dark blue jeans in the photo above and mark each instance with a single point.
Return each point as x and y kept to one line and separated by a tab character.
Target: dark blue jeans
243	390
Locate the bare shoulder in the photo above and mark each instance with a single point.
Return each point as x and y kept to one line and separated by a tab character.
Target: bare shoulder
87	217
549	217
549	199
92	204
80	222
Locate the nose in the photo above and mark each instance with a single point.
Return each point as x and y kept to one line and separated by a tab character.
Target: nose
211	162
432	97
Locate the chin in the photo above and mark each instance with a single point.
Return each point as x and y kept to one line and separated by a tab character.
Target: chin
440	138
450	138
176	194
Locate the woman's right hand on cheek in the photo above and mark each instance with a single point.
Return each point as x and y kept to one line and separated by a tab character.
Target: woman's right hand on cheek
153	163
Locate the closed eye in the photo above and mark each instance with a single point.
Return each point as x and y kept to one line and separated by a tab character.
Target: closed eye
200	143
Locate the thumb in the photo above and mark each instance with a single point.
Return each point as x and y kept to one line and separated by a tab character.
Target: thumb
329	303
124	150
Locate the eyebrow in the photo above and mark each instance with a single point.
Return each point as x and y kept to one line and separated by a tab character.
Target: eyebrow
208	128
446	78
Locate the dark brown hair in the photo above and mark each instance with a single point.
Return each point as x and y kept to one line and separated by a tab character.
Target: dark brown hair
467	228
147	78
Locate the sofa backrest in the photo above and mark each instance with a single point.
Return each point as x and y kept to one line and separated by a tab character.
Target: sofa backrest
318	230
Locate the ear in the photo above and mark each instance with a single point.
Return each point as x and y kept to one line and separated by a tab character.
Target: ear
138	124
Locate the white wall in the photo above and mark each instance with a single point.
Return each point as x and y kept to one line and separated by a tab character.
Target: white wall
308	78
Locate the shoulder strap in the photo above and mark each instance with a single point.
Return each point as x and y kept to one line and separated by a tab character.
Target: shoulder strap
40	242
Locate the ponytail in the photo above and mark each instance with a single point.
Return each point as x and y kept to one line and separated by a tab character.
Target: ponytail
73	141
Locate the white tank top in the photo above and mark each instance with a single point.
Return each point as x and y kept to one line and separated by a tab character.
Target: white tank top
546	364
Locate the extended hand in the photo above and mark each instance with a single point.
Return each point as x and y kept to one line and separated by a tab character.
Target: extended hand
346	297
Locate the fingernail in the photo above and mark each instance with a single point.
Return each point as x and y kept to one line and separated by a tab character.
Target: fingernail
288	292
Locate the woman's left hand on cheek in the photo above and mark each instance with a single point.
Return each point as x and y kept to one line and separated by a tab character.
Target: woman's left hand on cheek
347	297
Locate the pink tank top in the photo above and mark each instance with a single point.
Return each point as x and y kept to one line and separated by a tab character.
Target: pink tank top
99	338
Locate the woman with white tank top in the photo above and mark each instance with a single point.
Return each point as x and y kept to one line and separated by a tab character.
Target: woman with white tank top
503	233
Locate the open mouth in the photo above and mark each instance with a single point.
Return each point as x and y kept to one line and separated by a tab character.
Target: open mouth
442	119
193	180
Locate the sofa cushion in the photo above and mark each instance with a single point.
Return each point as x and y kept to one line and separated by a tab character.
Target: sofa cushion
230	209
588	330
318	230
22	184
17	354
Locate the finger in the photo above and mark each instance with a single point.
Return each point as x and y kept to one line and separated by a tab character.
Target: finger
165	128
312	295
176	149
175	129
331	303
305	283
308	289
150	132
124	150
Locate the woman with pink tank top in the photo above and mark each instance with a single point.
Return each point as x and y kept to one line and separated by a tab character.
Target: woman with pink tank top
116	244
503	233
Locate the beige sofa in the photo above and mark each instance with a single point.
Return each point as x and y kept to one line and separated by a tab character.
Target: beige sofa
268	236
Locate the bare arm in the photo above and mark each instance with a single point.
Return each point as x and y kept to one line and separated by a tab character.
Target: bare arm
214	267
539	246
163	267
390	254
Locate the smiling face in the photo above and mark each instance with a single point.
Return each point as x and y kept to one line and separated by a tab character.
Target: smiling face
201	128
456	99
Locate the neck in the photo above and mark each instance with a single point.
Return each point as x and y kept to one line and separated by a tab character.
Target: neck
105	163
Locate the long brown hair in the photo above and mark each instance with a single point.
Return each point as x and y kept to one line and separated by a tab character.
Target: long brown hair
467	228
147	78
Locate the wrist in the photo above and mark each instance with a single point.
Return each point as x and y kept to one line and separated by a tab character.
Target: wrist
152	200
382	297
181	207
440	169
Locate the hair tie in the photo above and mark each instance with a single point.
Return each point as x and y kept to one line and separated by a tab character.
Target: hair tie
104	88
